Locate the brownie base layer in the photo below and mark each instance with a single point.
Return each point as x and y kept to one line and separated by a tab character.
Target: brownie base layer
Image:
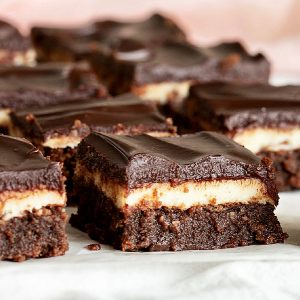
163	229
66	156
287	165
37	234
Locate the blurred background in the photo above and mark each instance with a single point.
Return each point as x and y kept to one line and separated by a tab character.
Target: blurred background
269	26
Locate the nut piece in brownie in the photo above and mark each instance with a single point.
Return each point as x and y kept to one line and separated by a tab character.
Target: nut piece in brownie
263	118
15	49
46	84
200	191
58	44
58	129
32	201
164	73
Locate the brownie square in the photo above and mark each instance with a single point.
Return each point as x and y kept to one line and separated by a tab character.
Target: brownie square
200	191
60	44
263	118
46	84
165	72
58	129
15	49
32	201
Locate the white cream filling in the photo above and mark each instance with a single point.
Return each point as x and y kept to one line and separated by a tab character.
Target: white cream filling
14	204
62	142
28	58
19	57
269	139
163	92
184	195
189	194
4	117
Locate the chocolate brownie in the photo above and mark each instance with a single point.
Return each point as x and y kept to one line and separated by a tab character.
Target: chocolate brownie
263	118
32	200
14	47
58	129
164	73
59	44
200	191
46	84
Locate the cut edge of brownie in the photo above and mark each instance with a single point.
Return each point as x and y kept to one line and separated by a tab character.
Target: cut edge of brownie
40	233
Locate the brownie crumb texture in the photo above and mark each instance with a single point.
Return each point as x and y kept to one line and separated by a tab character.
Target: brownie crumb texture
40	233
93	247
287	166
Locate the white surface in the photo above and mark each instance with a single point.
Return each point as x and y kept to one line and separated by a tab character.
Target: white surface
253	272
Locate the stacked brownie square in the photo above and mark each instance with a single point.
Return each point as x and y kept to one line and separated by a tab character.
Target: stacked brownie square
151	58
15	49
24	87
164	73
32	201
263	118
59	44
200	191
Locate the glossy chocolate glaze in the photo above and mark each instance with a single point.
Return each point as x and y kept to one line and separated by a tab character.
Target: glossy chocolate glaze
142	159
11	39
230	107
24	87
177	61
126	114
23	167
154	30
74	44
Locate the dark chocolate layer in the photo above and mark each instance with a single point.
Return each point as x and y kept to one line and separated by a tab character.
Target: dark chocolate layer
229	107
125	114
24	87
37	234
57	44
138	160
165	229
181	61
11	39
23	167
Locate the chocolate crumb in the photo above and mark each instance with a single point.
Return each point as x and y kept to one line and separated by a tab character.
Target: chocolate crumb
93	247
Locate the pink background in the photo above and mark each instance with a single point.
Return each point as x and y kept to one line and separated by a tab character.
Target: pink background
268	25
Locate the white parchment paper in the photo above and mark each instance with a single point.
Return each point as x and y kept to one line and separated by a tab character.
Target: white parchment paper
253	272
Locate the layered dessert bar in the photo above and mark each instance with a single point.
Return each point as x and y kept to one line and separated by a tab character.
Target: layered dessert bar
164	73
25	87
263	118
32	201
59	44
58	129
15	49
200	191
